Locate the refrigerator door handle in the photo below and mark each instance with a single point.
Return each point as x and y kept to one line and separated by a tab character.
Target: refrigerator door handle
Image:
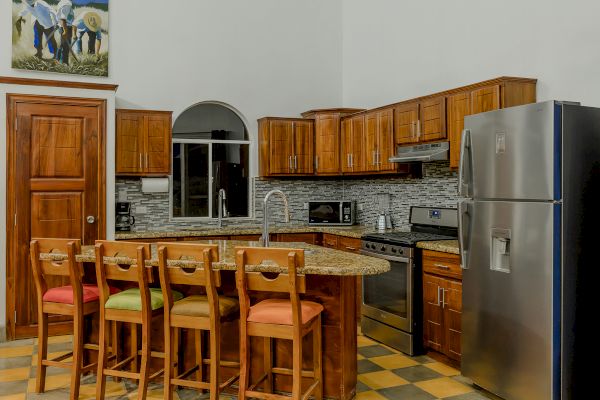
464	185
464	231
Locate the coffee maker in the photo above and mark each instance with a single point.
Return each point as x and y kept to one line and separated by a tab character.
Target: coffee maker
124	219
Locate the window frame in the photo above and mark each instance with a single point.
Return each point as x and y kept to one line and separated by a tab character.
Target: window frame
209	218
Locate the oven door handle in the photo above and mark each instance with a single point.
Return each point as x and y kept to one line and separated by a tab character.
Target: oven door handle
389	258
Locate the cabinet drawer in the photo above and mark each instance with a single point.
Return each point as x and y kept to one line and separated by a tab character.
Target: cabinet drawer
309	238
444	264
351	245
330	241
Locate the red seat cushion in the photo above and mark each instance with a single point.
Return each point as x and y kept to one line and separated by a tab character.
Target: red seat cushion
279	311
64	294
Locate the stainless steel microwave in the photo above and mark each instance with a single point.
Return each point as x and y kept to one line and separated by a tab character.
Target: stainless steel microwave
331	212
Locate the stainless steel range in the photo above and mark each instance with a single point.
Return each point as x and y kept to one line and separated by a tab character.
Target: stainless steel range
392	302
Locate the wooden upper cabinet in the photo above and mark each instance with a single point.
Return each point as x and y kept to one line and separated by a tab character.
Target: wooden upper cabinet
303	147
379	140
285	146
406	119
352	144
459	106
327	144
485	99
143	142
432	119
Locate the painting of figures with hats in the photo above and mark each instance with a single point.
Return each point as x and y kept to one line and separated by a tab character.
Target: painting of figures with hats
65	36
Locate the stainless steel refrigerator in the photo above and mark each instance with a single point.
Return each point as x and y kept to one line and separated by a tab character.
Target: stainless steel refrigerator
529	240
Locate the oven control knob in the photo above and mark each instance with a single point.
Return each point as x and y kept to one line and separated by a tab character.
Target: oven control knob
394	250
382	248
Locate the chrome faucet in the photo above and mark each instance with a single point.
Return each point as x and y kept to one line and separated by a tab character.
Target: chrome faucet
265	236
222	207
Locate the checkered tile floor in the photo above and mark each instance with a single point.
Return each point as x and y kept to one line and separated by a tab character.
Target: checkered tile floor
383	374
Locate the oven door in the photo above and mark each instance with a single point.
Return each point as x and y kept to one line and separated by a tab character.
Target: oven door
388	297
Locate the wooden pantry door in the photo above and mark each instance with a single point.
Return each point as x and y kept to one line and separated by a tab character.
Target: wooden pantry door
56	189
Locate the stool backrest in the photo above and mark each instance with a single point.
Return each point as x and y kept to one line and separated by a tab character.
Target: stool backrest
180	254
290	282
123	261
66	267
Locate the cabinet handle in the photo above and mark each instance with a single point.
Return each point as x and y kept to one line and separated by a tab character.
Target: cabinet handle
348	160
418	129
296	163
350	248
443	298
412	129
351	160
317	163
374	157
141	161
441	266
290	163
438	297
146	160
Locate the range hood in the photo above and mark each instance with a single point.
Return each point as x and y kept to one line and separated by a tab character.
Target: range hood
422	152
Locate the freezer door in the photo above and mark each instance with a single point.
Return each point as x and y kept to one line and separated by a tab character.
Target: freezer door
508	305
513	153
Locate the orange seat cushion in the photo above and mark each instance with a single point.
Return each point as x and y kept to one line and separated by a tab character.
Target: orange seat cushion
64	294
279	311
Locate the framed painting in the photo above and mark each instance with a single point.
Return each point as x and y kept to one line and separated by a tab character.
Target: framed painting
64	36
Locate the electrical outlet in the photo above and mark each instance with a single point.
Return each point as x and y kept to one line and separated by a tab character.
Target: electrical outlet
141	210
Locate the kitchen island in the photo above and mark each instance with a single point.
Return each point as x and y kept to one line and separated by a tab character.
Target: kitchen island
330	280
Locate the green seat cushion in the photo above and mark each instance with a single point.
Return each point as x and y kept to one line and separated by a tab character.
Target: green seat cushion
131	299
197	306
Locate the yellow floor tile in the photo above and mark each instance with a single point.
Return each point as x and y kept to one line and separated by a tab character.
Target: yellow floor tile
52	382
381	379
113	389
444	387
10	352
359	357
14	374
20	396
52	356
369	396
365	341
442	369
393	361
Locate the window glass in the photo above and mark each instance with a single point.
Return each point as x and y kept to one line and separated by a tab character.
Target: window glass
230	172
190	180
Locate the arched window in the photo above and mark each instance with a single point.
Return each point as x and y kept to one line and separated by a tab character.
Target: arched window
210	152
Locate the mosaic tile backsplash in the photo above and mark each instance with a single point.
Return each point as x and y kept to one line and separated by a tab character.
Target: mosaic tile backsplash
437	187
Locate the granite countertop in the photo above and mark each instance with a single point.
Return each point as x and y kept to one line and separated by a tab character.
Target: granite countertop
318	260
445	246
355	231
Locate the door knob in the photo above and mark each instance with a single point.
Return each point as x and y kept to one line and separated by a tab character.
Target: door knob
90	219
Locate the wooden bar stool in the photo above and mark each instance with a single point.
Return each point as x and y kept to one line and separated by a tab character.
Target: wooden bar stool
199	312
77	300
277	319
122	261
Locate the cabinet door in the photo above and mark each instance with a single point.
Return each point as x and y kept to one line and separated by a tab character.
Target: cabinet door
459	106
386	147
303	153
433	315
371	139
432	119
358	144
452	318
346	145
485	99
158	144
330	241
130	143
327	144
280	146
350	245
406	123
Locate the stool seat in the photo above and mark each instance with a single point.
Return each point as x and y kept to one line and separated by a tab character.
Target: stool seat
197	306
279	311
64	294
131	299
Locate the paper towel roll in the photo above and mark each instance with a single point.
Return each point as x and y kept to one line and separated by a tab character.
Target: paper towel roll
155	185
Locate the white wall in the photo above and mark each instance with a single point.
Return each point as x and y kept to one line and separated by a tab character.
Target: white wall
396	50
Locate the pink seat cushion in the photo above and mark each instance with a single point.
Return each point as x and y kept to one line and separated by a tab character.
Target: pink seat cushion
64	294
279	311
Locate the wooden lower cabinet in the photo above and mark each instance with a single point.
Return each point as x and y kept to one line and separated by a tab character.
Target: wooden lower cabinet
442	304
310	238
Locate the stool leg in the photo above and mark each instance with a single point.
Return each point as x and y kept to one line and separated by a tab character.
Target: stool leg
318	358
116	350
297	366
244	362
134	347
145	360
77	354
199	335
268	364
40	380
168	390
100	378
215	361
